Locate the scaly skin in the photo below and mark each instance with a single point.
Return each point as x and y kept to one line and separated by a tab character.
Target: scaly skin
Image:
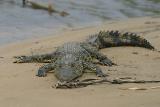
105	39
71	59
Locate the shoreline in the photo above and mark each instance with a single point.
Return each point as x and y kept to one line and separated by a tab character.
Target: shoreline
20	87
129	25
87	27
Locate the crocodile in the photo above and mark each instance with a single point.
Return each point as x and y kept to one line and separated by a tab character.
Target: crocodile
70	60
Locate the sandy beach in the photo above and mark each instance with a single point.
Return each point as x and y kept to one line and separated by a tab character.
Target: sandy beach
19	87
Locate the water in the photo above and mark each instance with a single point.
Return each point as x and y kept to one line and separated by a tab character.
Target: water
17	23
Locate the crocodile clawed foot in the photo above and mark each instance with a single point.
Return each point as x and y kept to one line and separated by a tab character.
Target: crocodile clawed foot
41	73
107	62
19	59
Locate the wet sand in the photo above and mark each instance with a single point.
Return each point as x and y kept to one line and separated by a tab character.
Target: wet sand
19	87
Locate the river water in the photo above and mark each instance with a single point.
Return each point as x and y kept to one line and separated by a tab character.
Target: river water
18	23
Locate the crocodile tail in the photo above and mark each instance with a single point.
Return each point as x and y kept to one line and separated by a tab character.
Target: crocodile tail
115	38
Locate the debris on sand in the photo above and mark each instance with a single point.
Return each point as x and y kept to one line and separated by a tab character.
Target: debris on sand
48	7
140	88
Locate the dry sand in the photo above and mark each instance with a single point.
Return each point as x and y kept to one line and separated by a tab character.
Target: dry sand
19	87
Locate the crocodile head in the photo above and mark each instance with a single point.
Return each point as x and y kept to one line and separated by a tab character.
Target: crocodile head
68	68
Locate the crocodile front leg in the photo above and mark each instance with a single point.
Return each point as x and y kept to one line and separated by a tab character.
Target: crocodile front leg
42	72
93	67
103	59
45	58
95	54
